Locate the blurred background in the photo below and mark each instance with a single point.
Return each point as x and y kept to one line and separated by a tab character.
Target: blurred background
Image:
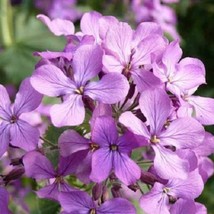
21	34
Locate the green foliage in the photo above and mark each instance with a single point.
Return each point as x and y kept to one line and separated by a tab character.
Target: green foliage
52	134
30	35
46	207
196	29
51	143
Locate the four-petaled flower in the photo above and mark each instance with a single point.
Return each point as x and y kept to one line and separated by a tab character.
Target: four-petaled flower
13	129
87	63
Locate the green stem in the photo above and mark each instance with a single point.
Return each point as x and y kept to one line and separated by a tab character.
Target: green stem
48	142
5	21
145	162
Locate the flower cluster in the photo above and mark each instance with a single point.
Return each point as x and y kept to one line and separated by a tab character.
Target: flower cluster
133	130
157	11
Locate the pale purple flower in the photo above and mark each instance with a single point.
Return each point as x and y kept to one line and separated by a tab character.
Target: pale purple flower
205	165
153	10
89	25
130	52
183	133
182	78
179	74
96	25
158	199
187	206
86	64
13	129
39	167
200	208
201	108
64	9
4	200
58	26
92	25
79	202
62	27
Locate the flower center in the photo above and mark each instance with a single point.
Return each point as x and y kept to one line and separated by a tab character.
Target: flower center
127	68
169	79
93	146
59	179
92	211
166	190
154	139
13	119
114	147
79	90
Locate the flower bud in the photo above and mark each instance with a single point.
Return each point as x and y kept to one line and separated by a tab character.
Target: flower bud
115	190
148	178
97	191
13	175
133	187
16	161
105	195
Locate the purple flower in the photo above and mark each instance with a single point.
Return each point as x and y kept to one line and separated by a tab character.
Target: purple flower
188	206
205	165
81	203
104	149
201	108
13	129
4	200
130	52
86	64
183	133
90	25
72	143
58	26
179	76
93	25
154	11
39	167
96	25
182	78
64	9
112	153
159	198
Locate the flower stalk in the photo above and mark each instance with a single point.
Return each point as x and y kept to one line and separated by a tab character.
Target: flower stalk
5	23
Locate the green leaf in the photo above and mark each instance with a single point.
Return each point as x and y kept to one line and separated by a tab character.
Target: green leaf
46	207
52	134
34	35
51	143
17	61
